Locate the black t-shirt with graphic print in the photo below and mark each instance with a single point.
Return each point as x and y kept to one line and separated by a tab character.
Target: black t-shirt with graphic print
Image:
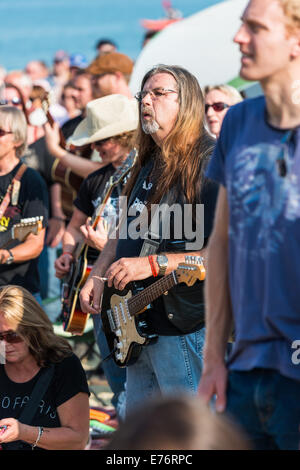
68	380
128	246
32	202
91	193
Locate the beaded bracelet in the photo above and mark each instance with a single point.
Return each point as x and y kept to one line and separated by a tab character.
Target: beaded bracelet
41	430
152	265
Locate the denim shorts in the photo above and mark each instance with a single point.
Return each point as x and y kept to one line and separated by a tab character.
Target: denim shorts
267	405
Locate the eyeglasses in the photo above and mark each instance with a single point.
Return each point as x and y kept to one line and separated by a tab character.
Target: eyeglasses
156	93
218	107
14	101
3	132
10	337
100	142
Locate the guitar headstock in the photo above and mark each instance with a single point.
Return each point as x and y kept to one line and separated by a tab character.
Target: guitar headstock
191	270
30	225
45	103
124	168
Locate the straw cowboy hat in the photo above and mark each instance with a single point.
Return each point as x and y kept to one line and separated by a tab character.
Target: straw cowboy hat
106	117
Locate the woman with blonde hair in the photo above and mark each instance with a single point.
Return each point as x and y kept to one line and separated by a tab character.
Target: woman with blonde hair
218	100
32	352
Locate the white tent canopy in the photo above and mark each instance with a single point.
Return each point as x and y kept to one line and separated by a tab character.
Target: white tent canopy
201	43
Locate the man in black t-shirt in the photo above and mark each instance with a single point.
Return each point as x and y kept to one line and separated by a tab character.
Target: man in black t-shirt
174	148
28	199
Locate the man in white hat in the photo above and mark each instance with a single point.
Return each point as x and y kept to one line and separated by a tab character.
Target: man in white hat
110	75
109	127
103	119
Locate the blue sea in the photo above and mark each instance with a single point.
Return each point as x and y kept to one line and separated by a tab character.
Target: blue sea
36	29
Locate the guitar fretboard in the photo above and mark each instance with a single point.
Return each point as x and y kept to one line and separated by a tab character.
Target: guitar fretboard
145	297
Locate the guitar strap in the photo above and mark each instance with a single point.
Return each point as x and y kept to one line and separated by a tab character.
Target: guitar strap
153	237
12	190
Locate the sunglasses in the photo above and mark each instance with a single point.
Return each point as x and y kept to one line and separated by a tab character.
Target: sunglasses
3	132
10	337
218	107
14	101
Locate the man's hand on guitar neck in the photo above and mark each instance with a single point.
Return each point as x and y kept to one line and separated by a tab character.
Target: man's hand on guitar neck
96	238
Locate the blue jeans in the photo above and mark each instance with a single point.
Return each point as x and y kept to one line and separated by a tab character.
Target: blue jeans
267	405
171	366
115	376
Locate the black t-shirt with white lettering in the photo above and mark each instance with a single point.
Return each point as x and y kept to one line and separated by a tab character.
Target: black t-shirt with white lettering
92	192
130	246
32	202
68	380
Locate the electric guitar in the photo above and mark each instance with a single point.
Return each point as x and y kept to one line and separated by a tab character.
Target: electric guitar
21	230
125	333
74	320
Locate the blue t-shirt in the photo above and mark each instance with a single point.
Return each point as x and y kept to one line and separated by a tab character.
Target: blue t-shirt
264	237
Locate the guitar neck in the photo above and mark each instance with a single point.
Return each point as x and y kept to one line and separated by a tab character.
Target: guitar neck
145	297
95	219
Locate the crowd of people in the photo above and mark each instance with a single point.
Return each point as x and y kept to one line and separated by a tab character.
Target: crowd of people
139	199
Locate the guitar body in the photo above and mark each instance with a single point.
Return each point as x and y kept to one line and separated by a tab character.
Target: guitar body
125	334
74	320
125	328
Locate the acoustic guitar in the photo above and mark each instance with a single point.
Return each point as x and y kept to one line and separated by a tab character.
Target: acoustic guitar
74	320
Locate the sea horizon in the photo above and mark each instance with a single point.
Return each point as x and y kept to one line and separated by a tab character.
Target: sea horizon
36	29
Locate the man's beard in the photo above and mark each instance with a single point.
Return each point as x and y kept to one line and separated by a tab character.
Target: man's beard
149	127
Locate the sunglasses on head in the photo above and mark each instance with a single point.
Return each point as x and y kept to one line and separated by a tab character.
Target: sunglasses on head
10	337
3	132
218	107
13	101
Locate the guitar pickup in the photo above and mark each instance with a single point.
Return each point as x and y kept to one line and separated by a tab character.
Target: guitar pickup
111	320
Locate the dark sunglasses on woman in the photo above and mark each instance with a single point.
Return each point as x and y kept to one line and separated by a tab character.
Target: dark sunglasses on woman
218	107
10	337
3	132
